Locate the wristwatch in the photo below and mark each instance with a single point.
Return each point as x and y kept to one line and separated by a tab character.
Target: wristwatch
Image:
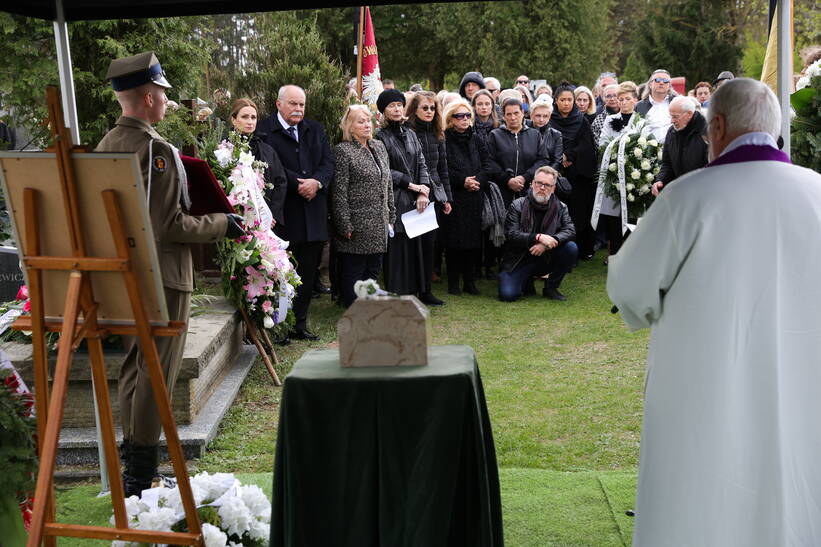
320	185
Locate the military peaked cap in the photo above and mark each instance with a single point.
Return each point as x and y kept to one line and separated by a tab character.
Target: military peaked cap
134	71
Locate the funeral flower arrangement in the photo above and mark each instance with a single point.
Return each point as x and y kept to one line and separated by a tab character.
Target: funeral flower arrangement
18	452
257	274
630	163
232	514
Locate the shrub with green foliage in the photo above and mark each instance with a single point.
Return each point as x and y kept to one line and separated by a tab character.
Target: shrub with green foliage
287	49
805	142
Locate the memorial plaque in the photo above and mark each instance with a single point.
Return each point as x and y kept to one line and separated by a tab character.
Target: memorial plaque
11	276
384	331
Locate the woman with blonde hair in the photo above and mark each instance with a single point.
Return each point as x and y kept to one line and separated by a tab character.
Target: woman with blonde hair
468	172
585	102
244	116
362	208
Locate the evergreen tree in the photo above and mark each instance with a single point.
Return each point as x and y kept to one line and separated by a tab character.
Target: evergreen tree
689	38
287	49
30	64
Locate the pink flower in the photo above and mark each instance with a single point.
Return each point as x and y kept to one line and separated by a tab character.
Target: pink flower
27	306
23	293
267	306
256	283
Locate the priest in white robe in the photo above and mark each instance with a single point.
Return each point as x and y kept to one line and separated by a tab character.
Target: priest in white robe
725	268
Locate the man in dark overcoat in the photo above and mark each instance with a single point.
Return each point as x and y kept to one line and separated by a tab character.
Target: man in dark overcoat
302	146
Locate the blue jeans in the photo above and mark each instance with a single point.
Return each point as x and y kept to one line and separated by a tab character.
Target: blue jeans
557	263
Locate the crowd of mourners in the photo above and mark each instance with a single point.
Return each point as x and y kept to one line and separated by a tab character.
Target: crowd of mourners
510	173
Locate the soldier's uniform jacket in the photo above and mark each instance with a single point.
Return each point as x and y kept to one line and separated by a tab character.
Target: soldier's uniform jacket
173	228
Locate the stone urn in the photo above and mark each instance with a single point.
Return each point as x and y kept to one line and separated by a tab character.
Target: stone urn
384	331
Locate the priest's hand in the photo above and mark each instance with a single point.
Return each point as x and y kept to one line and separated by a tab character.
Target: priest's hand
447	208
656	188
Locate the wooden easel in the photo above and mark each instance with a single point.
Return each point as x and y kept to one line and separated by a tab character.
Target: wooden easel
80	299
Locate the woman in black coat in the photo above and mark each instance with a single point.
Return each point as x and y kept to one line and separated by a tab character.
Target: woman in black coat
578	164
540	114
467	168
424	113
244	121
404	265
484	114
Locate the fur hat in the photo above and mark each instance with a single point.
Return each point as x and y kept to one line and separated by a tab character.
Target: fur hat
389	96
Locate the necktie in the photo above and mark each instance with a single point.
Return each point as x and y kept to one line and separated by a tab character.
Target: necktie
292	133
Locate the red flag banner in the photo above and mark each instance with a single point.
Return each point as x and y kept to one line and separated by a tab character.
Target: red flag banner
371	78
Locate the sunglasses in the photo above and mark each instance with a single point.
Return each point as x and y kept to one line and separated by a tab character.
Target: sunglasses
662	80
428	108
463	116
522	82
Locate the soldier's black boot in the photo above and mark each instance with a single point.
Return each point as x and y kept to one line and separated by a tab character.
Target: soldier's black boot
140	469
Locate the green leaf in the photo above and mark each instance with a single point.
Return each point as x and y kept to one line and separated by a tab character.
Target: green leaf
802	97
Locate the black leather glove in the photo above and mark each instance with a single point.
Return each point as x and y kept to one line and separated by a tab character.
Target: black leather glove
235	228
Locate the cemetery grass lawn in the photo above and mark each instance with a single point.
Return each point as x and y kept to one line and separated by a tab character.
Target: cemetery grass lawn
563	382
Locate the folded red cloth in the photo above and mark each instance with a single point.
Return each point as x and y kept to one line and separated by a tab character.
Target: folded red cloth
207	196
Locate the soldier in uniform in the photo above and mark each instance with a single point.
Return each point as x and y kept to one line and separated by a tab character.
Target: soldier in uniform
139	84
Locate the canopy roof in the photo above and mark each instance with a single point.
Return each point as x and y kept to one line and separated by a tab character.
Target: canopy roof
80	10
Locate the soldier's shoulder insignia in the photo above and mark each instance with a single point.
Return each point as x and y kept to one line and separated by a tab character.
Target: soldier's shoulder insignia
160	164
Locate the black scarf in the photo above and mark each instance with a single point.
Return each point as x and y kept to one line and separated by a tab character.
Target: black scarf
528	219
621	122
568	126
483	128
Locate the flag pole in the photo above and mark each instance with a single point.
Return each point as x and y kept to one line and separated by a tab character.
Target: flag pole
360	34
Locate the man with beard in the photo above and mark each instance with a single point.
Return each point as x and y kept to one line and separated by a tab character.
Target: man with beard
685	148
539	240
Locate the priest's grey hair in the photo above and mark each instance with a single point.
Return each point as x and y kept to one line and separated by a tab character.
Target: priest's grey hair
747	105
686	104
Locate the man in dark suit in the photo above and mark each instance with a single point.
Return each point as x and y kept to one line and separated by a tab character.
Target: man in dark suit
303	148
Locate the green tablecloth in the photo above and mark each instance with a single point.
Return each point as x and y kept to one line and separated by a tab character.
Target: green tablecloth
386	456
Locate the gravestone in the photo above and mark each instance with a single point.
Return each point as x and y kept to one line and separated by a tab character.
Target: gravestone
11	277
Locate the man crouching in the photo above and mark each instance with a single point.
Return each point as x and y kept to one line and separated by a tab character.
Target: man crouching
538	240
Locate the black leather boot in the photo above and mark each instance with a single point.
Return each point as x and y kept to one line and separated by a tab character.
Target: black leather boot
140	469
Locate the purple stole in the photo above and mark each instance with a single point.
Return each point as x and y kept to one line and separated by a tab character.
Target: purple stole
750	152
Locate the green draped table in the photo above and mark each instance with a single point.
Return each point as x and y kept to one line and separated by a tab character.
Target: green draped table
385	456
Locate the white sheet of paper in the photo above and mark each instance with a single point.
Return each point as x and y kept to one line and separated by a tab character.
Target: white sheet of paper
417	224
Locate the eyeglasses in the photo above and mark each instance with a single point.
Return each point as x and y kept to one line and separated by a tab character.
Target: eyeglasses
428	107
491	90
662	80
463	116
544	185
522	82
610	96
